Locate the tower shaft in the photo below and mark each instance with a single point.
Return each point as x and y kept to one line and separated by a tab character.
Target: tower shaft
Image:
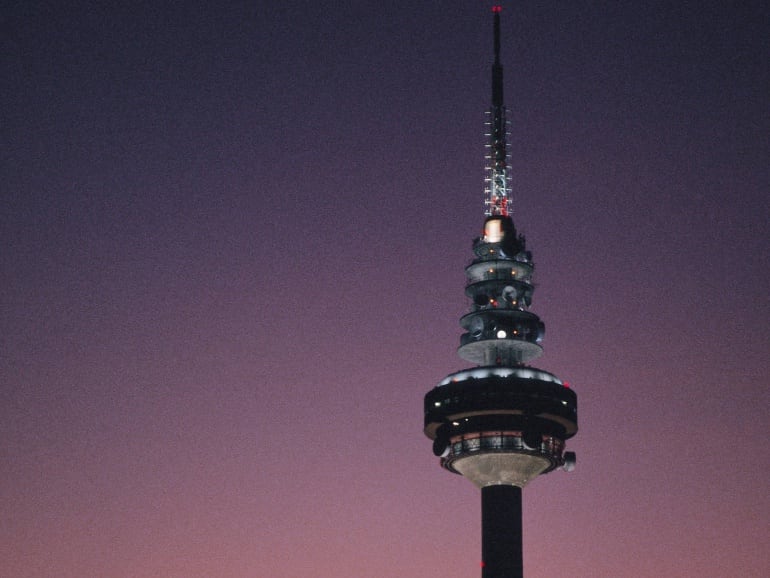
501	536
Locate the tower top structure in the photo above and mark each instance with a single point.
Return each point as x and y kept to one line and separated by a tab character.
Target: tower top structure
497	192
501	423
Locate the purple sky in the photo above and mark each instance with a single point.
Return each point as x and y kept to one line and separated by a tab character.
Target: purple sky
233	239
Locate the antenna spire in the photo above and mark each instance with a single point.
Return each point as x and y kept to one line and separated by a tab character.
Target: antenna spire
498	192
497	69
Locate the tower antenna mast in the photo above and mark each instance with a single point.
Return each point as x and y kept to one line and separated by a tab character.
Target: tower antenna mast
498	191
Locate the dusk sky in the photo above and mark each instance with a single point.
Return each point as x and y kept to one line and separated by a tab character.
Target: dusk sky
233	241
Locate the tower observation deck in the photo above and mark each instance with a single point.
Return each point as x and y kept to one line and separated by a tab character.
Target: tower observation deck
502	422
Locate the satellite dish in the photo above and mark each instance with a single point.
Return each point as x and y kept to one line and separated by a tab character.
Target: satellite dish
440	448
569	461
509	294
476	327
528	297
532	439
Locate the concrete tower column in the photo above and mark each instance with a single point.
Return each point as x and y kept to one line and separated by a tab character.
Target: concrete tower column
501	538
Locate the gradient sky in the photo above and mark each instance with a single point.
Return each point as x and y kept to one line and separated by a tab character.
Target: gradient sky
233	239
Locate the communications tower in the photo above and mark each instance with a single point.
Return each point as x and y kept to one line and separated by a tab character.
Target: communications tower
502	422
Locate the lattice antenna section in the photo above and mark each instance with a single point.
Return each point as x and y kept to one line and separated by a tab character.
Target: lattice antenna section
497	191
